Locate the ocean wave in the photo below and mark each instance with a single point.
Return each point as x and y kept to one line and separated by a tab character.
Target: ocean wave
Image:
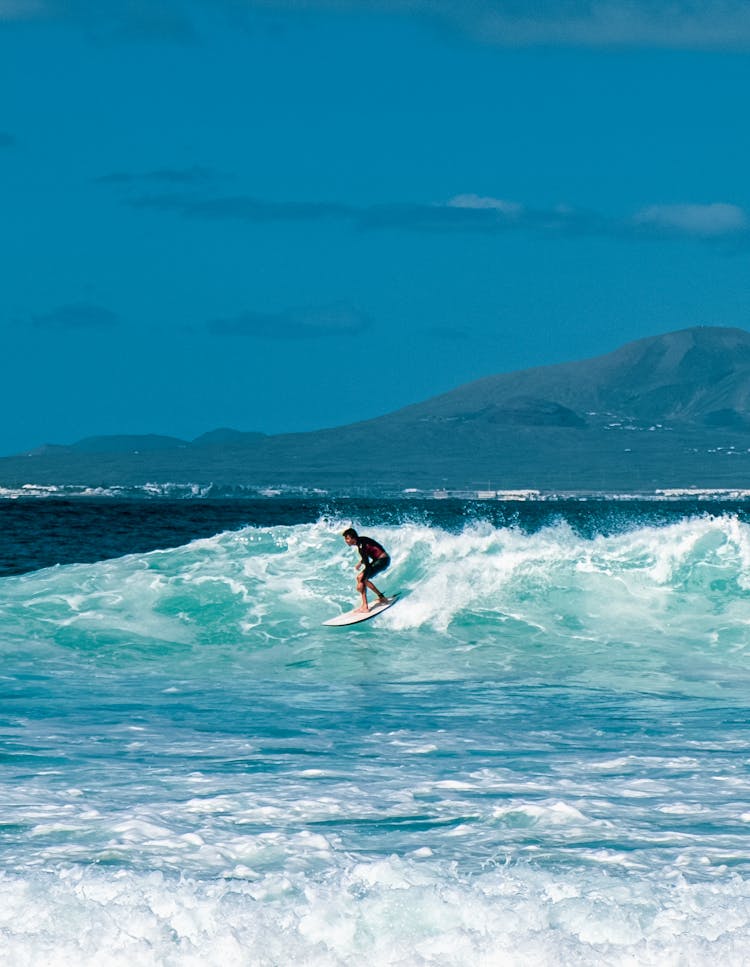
170	490
663	603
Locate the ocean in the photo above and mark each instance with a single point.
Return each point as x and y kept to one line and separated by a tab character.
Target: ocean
539	756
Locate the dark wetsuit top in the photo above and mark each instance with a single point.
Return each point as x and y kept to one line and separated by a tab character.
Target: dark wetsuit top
370	549
374	557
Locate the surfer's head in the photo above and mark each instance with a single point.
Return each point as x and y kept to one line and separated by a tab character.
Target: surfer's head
350	535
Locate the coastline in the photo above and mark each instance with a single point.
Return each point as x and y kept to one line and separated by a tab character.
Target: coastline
196	491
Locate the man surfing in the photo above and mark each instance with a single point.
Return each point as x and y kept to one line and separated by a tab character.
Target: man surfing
373	559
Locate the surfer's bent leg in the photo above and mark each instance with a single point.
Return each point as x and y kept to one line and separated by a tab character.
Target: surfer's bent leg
362	583
374	567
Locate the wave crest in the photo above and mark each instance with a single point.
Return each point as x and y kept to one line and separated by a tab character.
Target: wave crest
657	601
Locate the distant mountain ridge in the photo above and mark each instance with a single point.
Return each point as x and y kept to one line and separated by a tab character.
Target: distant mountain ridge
689	376
148	442
667	411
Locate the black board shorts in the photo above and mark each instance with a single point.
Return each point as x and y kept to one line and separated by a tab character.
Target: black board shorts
375	567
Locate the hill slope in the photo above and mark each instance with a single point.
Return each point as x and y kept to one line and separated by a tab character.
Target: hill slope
668	411
691	377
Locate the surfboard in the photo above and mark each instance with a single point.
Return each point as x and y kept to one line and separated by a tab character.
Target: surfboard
354	617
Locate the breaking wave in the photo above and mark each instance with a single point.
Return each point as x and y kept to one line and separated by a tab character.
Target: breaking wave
652	607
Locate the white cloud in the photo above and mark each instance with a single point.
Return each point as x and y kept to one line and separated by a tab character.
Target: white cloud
707	221
485	202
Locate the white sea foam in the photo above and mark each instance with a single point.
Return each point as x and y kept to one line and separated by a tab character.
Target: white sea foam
385	912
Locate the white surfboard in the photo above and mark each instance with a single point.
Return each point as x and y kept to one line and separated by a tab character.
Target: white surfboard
355	616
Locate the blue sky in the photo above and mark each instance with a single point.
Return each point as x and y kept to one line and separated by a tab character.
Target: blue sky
278	215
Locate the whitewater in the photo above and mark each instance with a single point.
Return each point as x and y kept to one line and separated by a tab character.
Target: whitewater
539	756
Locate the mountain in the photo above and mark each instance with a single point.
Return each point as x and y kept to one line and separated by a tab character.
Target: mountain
667	411
227	437
697	376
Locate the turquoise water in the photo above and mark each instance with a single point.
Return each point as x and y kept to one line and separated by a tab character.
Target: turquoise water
538	756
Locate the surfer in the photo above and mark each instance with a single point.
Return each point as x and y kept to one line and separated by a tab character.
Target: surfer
373	559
